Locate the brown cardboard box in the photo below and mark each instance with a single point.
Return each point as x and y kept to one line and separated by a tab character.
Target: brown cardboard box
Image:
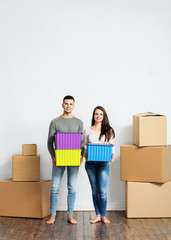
148	200
149	129
29	149
145	164
26	168
25	199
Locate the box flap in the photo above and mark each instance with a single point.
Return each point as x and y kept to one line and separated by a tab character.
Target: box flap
148	114
6	180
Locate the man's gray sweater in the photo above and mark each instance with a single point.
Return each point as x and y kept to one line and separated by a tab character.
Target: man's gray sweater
61	124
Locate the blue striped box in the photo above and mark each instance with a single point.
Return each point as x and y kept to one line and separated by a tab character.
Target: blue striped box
99	152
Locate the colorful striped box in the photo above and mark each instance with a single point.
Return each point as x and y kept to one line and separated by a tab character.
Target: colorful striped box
68	157
68	140
99	152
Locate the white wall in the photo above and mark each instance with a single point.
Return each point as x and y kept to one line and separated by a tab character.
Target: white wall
111	53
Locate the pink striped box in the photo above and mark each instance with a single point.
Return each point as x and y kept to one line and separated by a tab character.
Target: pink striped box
68	140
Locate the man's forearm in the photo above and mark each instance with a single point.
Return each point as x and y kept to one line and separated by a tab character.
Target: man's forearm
50	146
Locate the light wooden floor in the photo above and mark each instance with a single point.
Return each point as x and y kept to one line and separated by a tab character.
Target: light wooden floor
120	228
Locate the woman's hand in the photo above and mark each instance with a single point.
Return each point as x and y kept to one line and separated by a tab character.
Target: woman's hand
86	157
112	157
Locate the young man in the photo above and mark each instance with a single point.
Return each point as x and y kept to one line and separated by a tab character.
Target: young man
64	123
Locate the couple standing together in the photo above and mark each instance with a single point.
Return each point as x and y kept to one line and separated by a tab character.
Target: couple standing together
100	131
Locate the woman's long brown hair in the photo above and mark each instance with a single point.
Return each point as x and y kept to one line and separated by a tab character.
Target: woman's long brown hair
106	129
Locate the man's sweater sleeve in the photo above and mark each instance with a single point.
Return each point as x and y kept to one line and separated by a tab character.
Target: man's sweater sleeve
51	139
82	137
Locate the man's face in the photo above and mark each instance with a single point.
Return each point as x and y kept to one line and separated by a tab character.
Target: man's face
68	106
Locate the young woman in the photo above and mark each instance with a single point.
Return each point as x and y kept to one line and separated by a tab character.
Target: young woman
100	131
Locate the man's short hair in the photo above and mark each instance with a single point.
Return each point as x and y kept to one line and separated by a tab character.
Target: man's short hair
68	97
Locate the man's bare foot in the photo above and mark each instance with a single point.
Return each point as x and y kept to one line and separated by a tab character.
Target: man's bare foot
105	220
96	220
51	220
71	219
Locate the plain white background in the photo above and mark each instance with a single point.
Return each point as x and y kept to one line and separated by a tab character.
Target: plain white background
111	53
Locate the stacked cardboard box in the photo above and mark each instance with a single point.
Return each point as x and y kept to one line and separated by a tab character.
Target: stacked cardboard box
25	195
146	168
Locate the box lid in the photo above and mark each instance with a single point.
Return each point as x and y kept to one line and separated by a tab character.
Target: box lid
100	144
68	133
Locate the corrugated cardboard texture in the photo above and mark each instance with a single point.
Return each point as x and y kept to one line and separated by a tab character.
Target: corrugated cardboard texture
148	200
25	199
26	168
145	164
149	129
29	149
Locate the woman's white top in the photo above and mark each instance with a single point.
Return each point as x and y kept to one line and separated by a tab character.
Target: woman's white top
91	136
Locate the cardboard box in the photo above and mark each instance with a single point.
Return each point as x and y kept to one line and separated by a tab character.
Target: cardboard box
26	168
149	129
147	164
29	149
25	199
148	200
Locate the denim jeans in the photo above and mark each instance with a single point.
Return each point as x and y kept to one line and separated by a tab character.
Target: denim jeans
98	173
57	174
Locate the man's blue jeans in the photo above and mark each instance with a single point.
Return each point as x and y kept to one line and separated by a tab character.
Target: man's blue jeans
57	174
98	173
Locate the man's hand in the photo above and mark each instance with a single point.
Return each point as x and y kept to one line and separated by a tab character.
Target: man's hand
81	160
54	161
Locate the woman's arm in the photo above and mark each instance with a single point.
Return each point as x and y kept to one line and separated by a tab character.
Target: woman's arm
111	141
85	143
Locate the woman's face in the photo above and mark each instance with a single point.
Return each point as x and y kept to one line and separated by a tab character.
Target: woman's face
98	116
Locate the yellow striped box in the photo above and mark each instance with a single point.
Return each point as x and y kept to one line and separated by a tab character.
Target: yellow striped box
68	157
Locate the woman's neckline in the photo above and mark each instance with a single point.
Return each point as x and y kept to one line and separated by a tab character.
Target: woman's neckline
94	130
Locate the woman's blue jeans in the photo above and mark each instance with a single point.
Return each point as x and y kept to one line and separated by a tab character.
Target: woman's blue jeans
98	173
57	174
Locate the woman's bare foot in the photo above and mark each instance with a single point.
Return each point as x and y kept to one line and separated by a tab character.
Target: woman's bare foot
51	220
105	220
71	219
96	220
